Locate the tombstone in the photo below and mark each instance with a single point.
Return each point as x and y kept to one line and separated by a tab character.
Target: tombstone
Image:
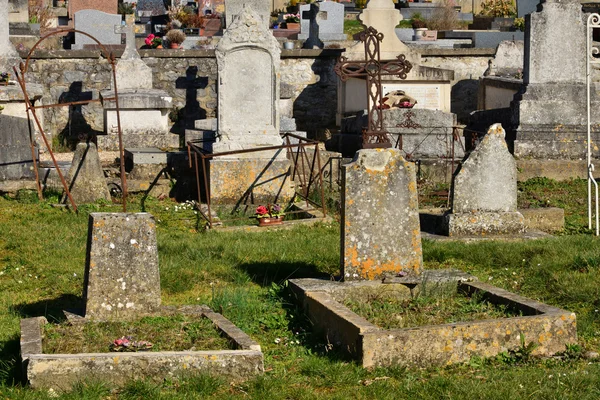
15	149
144	111
98	24
87	183
322	21
484	191
151	7
503	78
233	8
549	110
525	7
122	280
8	55
380	232
249	121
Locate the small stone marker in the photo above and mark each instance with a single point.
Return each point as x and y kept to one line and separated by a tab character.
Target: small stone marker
122	280
484	193
380	217
86	178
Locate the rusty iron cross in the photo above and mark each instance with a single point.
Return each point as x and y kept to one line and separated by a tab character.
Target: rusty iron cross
372	68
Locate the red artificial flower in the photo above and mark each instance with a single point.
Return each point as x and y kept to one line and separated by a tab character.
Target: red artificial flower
262	210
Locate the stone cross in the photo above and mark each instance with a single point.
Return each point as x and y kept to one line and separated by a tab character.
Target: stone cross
8	55
132	71
372	69
130	47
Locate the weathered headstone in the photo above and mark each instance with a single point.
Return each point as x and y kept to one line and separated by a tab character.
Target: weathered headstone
98	24
122	280
86	178
15	149
8	55
380	217
484	191
233	8
326	19
525	7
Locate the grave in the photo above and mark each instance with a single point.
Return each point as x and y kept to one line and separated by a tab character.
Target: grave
144	111
484	191
122	283
16	160
233	8
248	48
148	8
503	78
381	259
98	24
86	180
322	22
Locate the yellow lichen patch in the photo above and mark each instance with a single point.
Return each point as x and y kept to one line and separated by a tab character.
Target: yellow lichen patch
472	346
116	359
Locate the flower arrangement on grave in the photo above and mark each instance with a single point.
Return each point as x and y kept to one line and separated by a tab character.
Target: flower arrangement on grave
498	8
269	211
292	18
184	17
126	343
175	37
153	41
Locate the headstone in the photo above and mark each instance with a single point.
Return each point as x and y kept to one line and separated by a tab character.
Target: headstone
484	191
549	111
233	8
248	115
525	7
151	7
325	19
98	24
15	149
87	183
380	232
122	280
8	55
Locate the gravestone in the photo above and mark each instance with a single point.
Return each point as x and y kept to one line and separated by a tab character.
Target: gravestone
144	111
87	183
8	55
98	24
15	149
233	8
549	110
325	20
150	8
525	7
484	191
248	115
380	232
122	279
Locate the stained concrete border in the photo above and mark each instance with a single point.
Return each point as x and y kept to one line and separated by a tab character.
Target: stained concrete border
62	371
550	328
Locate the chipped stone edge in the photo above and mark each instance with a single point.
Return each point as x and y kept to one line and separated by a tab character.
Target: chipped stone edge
245	347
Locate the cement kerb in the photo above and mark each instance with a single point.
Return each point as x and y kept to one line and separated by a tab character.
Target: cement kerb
62	371
549	328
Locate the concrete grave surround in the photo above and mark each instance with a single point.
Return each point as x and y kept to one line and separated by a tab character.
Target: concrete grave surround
87	183
380	232
328	21
15	148
99	24
8	55
233	8
122	280
484	190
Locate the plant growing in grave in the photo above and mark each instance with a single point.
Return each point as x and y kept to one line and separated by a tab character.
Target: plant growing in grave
269	211
126	8
498	8
444	18
418	22
293	18
175	36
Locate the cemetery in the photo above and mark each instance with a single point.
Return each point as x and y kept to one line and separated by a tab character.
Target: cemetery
319	199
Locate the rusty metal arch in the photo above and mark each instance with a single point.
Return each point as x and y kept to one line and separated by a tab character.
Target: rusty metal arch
31	108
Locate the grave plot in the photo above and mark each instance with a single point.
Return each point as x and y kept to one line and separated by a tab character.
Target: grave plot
382	262
123	312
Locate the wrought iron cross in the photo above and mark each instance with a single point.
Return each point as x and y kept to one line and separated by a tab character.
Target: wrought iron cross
374	136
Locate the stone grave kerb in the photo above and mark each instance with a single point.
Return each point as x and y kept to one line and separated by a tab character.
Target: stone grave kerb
380	229
9	57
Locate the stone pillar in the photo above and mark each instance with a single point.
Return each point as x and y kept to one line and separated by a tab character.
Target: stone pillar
380	232
484	191
122	280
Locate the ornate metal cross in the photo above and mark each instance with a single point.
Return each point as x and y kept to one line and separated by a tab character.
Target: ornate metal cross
374	136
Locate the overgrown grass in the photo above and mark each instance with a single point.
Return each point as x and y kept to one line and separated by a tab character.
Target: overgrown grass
243	275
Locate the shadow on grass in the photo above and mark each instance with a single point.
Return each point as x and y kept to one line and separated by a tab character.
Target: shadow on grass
267	273
11	373
52	309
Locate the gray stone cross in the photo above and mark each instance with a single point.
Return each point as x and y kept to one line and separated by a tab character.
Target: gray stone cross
130	47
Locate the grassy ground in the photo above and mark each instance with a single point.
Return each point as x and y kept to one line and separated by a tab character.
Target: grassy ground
243	275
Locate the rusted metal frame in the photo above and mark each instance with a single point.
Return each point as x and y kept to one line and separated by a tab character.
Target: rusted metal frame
29	106
318	157
312	169
206	190
35	163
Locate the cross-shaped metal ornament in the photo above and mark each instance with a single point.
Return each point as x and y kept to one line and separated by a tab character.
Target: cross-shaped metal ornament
372	69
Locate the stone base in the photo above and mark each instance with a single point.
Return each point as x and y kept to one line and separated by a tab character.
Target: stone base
164	140
483	223
250	181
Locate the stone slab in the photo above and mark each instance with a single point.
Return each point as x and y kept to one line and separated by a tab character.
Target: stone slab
483	223
98	24
121	276
380	218
550	219
148	155
86	180
16	161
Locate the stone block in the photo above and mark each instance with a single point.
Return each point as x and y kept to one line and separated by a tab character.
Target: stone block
148	155
208	124
122	281
287	124
15	149
550	219
380	216
87	183
483	223
250	181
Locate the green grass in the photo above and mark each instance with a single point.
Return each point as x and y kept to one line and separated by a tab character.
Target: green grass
243	275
